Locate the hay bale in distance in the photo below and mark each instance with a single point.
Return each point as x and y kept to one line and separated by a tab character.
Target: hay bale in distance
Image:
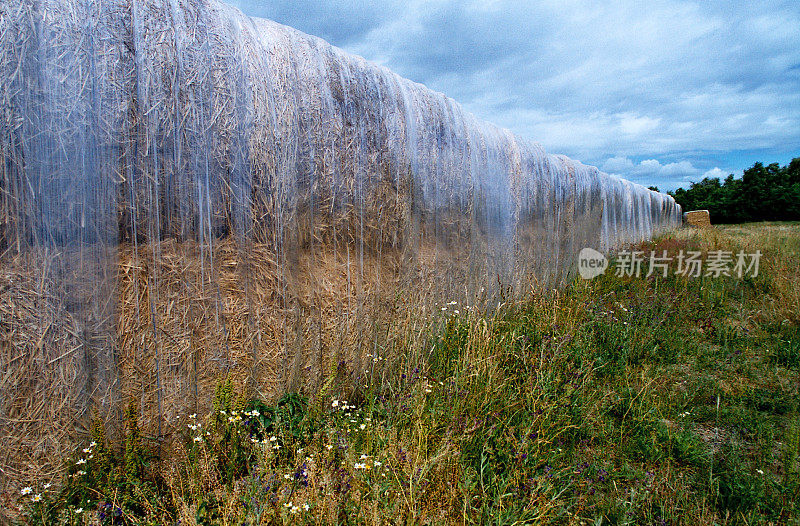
697	218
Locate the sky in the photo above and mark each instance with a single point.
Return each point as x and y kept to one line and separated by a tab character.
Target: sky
661	93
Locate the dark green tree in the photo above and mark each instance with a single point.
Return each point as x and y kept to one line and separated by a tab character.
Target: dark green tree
763	193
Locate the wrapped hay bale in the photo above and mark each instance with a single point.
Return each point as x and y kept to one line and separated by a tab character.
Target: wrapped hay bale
188	193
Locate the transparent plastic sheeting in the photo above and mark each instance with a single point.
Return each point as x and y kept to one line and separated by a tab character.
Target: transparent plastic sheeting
186	191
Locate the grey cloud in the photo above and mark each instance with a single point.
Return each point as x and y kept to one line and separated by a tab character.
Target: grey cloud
340	23
673	81
651	172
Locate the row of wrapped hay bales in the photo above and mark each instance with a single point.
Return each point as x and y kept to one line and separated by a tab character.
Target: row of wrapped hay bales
186	192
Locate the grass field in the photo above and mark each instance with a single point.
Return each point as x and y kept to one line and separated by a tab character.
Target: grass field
620	400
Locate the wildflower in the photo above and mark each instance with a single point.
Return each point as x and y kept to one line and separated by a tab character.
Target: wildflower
78	511
288	505
81	461
273	439
287	476
87	450
364	457
306	506
295	509
198	439
377	464
427	390
80	473
26	490
760	472
193	416
47	486
329	447
37	497
276	446
362	426
92	443
360	465
335	403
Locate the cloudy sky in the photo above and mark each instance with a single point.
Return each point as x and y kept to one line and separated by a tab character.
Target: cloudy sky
661	93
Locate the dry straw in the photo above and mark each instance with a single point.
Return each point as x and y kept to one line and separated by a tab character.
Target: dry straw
698	218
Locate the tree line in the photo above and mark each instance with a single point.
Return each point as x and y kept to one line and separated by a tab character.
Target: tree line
763	193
